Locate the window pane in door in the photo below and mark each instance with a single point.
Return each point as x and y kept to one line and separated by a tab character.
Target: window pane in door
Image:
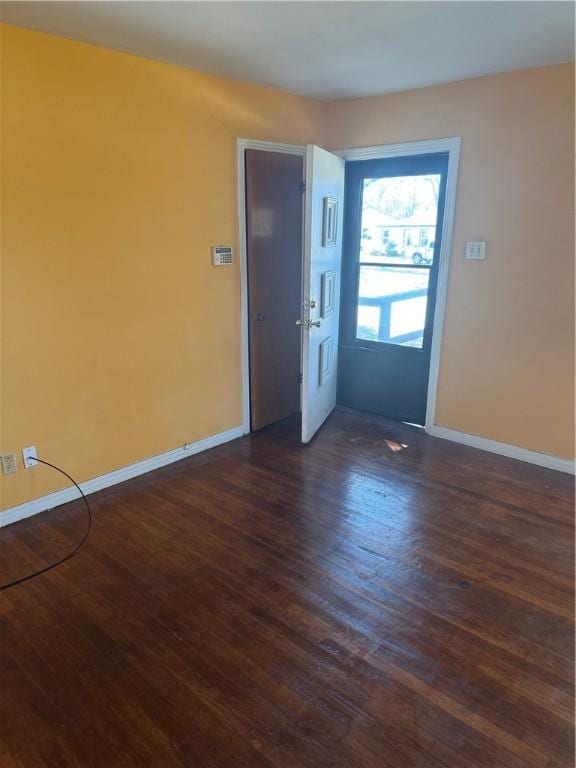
392	305
398	223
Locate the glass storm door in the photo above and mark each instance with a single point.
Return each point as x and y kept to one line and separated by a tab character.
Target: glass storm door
392	236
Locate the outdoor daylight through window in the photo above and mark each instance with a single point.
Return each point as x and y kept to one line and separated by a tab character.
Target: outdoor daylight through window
396	255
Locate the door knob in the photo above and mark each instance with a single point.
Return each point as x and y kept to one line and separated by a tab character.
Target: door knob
308	323
317	323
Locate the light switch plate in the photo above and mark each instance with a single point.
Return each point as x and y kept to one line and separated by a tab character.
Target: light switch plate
476	249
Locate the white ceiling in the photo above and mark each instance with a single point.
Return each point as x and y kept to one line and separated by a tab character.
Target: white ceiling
328	50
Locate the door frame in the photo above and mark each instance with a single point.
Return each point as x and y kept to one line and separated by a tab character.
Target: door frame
407	149
241	146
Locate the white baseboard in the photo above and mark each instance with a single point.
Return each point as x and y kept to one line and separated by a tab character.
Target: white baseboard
511	451
57	498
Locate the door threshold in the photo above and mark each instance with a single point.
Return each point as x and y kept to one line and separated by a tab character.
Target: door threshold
380	419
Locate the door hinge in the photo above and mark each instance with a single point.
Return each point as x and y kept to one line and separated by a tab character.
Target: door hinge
300	378
302	186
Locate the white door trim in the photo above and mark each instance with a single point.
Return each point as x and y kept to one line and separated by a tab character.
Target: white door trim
241	146
452	146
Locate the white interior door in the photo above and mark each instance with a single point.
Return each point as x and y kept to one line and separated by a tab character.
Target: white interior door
324	212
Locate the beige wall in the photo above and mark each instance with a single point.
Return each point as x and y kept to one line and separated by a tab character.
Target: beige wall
118	174
507	366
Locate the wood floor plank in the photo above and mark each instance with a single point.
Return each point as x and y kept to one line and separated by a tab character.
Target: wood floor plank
376	599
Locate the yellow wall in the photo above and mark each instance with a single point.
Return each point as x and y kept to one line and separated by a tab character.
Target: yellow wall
120	341
507	366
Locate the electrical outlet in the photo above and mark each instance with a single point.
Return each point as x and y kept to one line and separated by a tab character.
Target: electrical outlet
9	465
28	455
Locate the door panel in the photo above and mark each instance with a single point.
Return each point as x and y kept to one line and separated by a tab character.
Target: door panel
393	232
274	249
322	267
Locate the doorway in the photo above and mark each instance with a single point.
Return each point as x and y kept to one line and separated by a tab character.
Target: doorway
274	216
393	236
290	204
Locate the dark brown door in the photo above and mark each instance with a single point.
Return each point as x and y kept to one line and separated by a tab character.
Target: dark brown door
274	245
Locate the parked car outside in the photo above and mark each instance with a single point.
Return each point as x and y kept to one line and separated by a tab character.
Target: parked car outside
420	254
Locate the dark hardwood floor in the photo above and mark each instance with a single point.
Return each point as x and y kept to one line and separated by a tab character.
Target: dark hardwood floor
378	598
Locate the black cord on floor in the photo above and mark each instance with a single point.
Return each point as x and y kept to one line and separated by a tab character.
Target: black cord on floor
76	549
